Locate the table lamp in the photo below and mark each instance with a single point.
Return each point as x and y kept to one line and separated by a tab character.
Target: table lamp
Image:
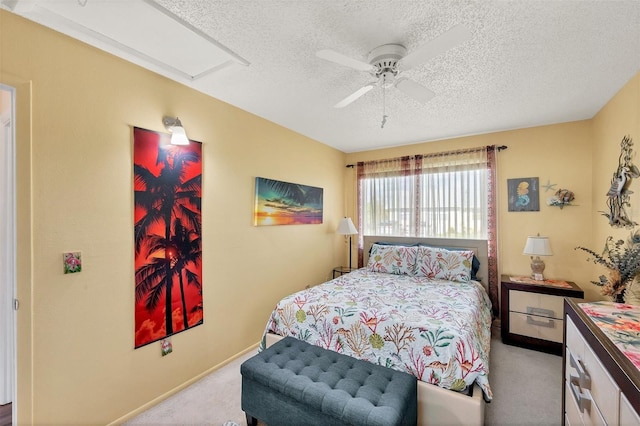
537	246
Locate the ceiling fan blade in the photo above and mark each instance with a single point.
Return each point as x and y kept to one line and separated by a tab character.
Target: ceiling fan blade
341	59
452	38
415	90
355	95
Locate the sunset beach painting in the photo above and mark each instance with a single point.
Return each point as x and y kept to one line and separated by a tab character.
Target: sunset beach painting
167	185
284	203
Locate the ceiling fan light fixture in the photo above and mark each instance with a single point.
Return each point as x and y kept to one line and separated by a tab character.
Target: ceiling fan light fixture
388	61
387	79
387	55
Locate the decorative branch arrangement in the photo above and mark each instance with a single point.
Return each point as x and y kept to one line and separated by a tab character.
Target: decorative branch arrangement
619	194
622	259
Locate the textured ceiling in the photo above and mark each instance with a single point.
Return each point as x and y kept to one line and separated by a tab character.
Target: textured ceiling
528	63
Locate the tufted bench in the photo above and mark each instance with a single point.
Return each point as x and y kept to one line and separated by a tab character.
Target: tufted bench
295	383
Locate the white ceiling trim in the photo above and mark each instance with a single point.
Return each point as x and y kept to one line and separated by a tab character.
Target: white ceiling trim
139	30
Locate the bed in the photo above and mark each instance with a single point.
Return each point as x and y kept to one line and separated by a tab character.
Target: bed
403	312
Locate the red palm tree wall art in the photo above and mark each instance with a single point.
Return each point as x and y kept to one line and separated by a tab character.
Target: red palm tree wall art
168	254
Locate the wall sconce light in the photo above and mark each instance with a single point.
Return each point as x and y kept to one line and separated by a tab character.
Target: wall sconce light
178	135
346	227
537	246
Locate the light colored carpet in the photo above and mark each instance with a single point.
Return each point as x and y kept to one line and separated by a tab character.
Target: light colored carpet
526	385
212	400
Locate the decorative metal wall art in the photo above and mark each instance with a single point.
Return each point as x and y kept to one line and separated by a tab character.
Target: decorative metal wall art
619	194
549	186
561	198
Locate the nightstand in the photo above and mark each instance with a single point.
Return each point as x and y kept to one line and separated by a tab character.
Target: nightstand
341	270
531	312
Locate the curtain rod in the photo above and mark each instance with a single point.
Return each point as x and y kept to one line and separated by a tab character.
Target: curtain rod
499	148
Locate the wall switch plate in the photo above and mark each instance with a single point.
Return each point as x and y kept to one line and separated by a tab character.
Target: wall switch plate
72	262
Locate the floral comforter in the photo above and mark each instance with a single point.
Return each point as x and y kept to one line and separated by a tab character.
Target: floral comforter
437	330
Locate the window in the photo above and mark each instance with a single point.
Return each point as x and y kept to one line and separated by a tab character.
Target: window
441	195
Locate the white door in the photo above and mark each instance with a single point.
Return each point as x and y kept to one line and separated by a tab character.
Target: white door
7	245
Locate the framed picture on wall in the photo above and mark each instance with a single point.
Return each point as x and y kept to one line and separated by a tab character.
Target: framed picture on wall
284	203
524	194
167	186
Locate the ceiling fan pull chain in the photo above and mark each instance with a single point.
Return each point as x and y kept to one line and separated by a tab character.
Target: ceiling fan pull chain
384	97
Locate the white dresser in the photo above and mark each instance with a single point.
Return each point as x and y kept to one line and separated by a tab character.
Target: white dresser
601	384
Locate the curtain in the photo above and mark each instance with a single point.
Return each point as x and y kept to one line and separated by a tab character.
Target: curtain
7	261
390	197
492	229
453	195
440	195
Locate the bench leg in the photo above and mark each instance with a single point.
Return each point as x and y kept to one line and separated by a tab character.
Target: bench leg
251	421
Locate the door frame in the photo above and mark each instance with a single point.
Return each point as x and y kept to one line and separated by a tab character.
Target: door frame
7	127
22	406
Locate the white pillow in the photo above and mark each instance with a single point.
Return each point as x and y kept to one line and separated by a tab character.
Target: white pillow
451	265
391	259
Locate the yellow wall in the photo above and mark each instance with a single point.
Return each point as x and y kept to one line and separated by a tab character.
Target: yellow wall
559	153
620	117
76	363
580	156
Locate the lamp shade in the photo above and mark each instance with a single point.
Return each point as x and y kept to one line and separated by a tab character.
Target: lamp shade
346	227
537	246
179	136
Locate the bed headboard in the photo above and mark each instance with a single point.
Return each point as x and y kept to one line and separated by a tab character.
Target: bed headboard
479	247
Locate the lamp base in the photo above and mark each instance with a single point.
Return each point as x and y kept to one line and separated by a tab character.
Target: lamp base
350	269
537	268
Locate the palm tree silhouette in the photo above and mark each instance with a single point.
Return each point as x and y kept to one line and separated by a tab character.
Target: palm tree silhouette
177	254
299	194
165	199
188	252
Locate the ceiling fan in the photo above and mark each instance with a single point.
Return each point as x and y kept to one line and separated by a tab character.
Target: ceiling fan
387	62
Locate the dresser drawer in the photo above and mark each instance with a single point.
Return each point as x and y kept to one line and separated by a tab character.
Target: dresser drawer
536	326
604	391
544	305
575	342
572	412
531	313
594	417
628	416
597	384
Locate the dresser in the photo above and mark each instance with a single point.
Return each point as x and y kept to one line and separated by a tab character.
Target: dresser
601	375
531	313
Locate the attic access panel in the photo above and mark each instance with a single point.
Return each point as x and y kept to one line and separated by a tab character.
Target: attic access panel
140	29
